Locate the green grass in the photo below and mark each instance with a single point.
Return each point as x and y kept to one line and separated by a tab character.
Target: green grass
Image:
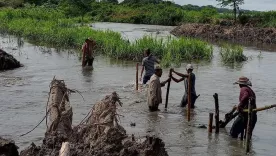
232	53
51	27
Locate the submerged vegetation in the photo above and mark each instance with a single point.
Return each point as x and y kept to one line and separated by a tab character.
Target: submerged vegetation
232	53
50	26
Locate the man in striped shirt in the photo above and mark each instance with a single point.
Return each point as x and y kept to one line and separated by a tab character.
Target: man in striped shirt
148	65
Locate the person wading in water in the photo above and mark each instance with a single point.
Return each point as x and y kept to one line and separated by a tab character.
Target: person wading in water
154	91
148	65
88	49
246	93
184	77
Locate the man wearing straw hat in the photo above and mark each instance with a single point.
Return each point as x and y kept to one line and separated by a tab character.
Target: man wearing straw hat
87	49
184	77
246	93
154	91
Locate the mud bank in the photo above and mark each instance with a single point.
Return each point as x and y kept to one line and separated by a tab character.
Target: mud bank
7	61
8	147
99	133
229	33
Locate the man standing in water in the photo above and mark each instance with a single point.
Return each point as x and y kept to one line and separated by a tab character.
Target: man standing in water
184	77
87	50
148	65
246	93
154	90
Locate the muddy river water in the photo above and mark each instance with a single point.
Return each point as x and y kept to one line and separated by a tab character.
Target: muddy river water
24	93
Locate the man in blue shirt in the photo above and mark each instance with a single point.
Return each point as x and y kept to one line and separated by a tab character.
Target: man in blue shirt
148	65
184	77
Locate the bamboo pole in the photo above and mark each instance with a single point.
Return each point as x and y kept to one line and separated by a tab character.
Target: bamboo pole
210	125
261	109
189	98
217	111
168	91
232	114
248	129
137	69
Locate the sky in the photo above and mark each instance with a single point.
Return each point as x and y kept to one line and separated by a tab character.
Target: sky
260	5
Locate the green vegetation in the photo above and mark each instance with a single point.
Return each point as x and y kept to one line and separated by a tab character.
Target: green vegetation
157	12
232	53
51	26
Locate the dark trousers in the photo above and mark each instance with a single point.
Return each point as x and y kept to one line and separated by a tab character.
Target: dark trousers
153	108
89	61
184	100
146	79
240	124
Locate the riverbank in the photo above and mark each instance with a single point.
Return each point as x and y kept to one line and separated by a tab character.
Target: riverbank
51	27
240	34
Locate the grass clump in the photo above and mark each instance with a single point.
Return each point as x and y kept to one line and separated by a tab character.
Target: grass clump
232	53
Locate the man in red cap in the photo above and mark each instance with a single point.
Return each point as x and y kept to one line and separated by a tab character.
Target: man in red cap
246	94
87	49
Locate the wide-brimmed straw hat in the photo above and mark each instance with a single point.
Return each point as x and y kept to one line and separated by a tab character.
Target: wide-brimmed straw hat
189	66
243	81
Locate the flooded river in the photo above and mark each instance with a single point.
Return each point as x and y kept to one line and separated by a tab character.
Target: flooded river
24	93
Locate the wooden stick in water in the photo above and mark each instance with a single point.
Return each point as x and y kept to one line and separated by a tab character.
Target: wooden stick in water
217	111
210	125
168	91
248	129
137	69
189	98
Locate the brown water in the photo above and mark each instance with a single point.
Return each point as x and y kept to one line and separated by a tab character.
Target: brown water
24	93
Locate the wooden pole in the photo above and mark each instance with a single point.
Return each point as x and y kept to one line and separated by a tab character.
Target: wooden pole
210	125
83	59
261	109
217	111
137	69
189	98
168	91
232	114
248	129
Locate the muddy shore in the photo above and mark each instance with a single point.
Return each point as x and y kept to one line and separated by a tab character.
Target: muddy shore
7	61
239	33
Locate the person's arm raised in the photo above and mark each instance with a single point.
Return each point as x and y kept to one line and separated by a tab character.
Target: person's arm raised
180	74
177	80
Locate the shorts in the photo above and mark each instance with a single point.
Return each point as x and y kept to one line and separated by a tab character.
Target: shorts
89	61
240	124
146	78
184	100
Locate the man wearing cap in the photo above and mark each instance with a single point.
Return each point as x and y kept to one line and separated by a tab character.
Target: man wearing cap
87	49
246	93
154	91
184	101
148	65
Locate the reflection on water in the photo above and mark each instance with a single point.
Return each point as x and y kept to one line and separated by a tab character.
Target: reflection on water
24	92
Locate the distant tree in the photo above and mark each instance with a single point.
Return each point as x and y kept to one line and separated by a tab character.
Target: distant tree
233	3
76	7
11	3
142	1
